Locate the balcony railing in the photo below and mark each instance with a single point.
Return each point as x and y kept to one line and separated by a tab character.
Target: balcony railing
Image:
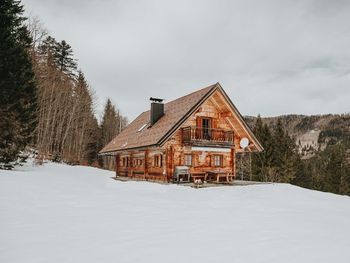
204	136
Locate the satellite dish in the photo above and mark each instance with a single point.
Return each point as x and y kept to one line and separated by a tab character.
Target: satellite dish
244	142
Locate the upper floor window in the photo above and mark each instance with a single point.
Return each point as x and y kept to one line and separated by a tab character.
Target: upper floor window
206	128
206	123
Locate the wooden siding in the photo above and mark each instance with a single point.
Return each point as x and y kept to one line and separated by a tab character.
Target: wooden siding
174	150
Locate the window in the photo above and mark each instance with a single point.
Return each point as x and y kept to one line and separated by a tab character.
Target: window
218	160
206	126
138	162
158	160
188	159
125	161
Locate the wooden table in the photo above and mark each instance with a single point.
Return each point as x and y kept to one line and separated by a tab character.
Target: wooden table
217	174
199	175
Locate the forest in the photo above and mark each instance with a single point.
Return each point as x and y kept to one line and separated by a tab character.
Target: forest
51	110
283	159
47	107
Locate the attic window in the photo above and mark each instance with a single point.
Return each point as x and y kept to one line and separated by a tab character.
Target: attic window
142	127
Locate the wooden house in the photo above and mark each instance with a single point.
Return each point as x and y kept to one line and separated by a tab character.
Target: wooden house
201	131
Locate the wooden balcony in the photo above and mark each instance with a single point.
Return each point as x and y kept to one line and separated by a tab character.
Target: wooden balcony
198	136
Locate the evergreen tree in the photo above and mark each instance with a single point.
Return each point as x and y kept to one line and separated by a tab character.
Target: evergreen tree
89	121
327	170
345	179
334	168
110	123
18	98
303	174
63	57
285	156
48	50
92	145
262	162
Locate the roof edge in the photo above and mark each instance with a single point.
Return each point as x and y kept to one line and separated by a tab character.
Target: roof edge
244	123
185	117
216	86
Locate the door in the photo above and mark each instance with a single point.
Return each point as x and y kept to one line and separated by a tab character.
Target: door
206	128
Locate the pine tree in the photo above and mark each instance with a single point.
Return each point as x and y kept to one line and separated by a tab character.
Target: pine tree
345	179
92	145
303	174
262	162
18	98
48	50
334	168
63	57
110	123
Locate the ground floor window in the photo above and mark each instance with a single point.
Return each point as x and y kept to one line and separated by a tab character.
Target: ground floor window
158	160
125	161
137	162
188	159
218	160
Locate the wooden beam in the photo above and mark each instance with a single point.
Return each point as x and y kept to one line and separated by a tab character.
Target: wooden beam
117	160
130	165
226	114
145	163
213	100
117	164
170	162
233	161
233	126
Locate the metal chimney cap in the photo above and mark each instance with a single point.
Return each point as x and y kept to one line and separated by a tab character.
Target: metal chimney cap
156	99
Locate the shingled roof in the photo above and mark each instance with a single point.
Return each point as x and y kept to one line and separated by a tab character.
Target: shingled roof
139	134
174	111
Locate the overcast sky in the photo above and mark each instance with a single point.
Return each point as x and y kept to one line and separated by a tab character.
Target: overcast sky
272	57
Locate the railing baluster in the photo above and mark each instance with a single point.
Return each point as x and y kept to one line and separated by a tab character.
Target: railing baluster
210	135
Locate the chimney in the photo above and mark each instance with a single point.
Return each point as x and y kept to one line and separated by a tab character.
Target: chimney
157	109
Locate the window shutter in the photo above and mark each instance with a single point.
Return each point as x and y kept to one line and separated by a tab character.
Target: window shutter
199	122
199	128
214	123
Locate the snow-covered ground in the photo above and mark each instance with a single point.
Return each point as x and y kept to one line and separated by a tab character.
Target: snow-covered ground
59	213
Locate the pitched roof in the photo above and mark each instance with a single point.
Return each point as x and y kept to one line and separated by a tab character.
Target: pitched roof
174	111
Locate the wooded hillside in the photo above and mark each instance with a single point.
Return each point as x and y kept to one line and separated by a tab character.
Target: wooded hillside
47	105
310	151
68	128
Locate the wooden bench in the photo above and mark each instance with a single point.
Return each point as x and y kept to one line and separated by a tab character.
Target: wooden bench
199	175
215	176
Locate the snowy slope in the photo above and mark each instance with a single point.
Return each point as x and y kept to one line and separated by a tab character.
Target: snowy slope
59	213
